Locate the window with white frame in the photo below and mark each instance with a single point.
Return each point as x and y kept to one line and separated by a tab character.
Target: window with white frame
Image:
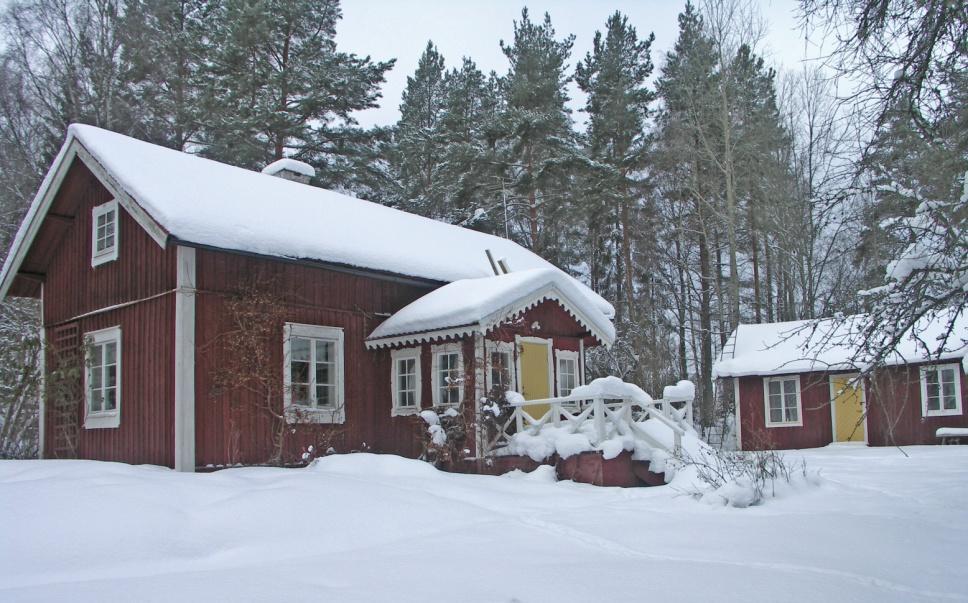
405	381
448	374
500	358
567	374
940	390
783	406
104	233
102	379
314	373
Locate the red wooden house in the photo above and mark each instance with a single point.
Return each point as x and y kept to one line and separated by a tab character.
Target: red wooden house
148	260
796	385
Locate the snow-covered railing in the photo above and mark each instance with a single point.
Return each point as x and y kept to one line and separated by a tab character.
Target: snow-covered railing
609	415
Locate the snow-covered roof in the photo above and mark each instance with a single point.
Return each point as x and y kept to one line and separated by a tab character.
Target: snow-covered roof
828	344
479	304
292	165
204	202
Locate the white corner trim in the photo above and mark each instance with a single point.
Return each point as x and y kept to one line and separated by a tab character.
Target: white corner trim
185	360
435	351
766	401
395	356
110	254
941	412
737	405
104	419
299	414
42	389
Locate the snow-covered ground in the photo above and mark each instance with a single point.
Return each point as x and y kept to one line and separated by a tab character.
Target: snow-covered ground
879	527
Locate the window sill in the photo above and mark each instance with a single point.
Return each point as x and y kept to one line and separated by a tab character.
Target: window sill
405	412
102	421
955	412
296	415
797	424
104	258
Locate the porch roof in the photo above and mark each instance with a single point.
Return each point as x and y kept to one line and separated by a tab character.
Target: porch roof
479	304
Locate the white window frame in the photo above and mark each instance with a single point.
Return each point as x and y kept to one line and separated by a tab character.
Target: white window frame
111	253
395	357
766	401
942	411
309	414
573	357
436	352
502	347
103	419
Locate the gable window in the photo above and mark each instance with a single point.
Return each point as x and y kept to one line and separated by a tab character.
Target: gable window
102	379
783	407
940	390
448	374
567	374
104	233
405	381
500	365
314	373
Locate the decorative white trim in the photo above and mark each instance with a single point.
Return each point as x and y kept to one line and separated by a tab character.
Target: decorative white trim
480	391
108	254
435	352
110	419
395	356
518	340
495	319
766	401
185	360
506	347
833	399
739	424
941	412
336	414
42	201
565	355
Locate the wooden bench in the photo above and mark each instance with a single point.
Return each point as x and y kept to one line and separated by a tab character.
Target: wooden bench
952	435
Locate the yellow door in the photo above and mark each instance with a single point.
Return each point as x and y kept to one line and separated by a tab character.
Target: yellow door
535	379
848	409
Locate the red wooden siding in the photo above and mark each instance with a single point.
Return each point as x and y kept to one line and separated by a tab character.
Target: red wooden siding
72	288
893	402
815	401
227	433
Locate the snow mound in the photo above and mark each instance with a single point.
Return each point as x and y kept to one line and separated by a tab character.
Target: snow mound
683	390
373	465
612	387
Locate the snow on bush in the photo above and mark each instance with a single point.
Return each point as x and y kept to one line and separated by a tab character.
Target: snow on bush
437	434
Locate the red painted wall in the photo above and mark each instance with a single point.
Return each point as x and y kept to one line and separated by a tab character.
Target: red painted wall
894	412
73	288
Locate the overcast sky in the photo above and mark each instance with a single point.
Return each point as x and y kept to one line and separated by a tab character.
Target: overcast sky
400	29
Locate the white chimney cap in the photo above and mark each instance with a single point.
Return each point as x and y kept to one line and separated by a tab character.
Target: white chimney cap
291	165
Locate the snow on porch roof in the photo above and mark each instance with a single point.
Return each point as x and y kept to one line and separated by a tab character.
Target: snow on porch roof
478	304
828	345
204	202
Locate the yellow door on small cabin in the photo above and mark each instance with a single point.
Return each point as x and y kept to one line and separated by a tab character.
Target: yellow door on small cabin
535	379
848	409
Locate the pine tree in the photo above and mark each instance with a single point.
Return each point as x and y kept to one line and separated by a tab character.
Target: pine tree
279	86
418	140
537	138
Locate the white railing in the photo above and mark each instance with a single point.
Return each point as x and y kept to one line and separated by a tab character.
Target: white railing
608	416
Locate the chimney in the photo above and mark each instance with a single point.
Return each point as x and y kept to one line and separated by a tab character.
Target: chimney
290	169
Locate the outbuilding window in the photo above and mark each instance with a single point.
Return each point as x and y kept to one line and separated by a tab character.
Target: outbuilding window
102	379
940	390
104	233
448	374
567	376
405	381
783	405
314	373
